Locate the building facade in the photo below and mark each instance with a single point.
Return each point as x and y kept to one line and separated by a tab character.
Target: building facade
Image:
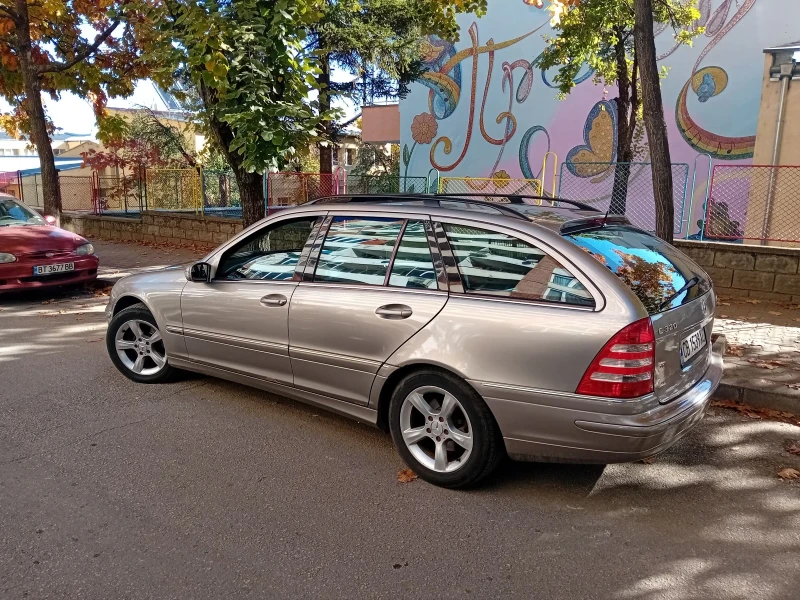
483	111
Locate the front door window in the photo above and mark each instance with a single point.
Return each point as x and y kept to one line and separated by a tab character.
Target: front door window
270	254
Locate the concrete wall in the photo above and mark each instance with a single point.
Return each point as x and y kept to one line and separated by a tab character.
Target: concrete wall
156	227
765	273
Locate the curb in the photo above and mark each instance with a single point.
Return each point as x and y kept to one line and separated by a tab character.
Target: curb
754	397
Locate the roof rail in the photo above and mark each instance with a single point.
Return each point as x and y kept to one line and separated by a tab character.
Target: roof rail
429	200
517	198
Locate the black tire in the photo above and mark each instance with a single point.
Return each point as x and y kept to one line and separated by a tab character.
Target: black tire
141	313
487	448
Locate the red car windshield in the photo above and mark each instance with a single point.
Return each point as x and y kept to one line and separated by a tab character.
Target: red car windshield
15	214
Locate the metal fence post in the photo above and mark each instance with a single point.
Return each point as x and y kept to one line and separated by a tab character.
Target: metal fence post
694	188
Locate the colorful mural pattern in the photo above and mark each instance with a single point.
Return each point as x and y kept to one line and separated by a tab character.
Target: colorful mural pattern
444	80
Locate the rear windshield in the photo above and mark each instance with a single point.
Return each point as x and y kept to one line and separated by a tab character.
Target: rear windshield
653	269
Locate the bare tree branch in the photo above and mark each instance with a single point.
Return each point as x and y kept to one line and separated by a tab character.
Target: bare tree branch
176	134
60	67
10	12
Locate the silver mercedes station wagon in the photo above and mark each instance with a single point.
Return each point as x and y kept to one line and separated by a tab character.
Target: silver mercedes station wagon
470	330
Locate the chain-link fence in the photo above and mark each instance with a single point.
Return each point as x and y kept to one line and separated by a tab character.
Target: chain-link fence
178	190
221	196
382	184
489	185
291	189
77	192
624	189
753	202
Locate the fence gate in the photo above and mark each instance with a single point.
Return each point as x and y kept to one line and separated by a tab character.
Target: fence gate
177	190
489	185
623	188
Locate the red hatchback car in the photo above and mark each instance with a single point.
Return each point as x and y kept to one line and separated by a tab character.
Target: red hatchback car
34	253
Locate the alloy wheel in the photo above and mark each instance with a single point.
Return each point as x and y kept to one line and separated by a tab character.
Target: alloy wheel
140	347
436	429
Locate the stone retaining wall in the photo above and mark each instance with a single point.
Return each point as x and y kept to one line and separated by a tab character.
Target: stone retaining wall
762	272
158	227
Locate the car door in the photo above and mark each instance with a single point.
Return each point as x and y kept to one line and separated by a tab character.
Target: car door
374	282
239	319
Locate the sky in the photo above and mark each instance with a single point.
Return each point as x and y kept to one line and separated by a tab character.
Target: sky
73	114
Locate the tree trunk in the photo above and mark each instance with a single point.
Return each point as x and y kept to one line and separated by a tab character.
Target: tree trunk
36	114
251	187
622	170
251	191
654	119
326	150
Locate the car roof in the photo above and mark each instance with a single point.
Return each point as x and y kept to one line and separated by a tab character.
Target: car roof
556	214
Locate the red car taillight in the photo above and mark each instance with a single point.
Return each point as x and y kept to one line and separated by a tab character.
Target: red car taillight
625	366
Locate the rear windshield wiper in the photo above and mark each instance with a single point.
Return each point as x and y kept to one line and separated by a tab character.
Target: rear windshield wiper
687	286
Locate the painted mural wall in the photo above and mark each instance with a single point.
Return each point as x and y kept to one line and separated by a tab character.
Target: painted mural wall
482	111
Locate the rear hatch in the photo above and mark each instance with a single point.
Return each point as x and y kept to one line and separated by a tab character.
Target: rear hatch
674	290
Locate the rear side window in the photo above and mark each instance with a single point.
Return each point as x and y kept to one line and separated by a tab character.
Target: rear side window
653	269
497	264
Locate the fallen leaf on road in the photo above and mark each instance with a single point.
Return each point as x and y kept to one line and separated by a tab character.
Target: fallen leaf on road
94	340
723	316
789	473
406	475
734	350
648	460
47	302
723	303
776	313
766	364
751	301
792	447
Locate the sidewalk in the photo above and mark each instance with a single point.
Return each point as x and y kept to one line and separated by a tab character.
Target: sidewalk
762	363
118	259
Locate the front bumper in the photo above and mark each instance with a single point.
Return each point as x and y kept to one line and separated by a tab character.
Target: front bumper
536	431
18	276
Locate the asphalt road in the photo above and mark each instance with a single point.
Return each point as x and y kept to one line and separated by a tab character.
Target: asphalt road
206	489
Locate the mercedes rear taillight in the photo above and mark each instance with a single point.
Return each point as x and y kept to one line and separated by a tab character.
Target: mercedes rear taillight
625	366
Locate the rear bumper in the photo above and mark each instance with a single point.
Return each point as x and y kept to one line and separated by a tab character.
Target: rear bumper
558	432
18	276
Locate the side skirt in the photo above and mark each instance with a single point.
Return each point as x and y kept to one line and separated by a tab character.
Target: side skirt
347	409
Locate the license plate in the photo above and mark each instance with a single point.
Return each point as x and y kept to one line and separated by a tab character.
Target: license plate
50	269
692	344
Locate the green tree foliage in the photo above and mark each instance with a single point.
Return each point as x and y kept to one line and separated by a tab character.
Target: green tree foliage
245	58
599	34
378	43
93	48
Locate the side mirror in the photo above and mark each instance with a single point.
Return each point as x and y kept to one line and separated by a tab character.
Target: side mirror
50	219
199	272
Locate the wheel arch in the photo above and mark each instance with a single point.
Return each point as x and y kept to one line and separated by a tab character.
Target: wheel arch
126	301
394	378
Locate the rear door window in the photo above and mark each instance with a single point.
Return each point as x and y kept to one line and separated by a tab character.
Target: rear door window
497	264
653	269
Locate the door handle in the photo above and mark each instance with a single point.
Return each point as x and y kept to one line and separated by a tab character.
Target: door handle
274	300
394	311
